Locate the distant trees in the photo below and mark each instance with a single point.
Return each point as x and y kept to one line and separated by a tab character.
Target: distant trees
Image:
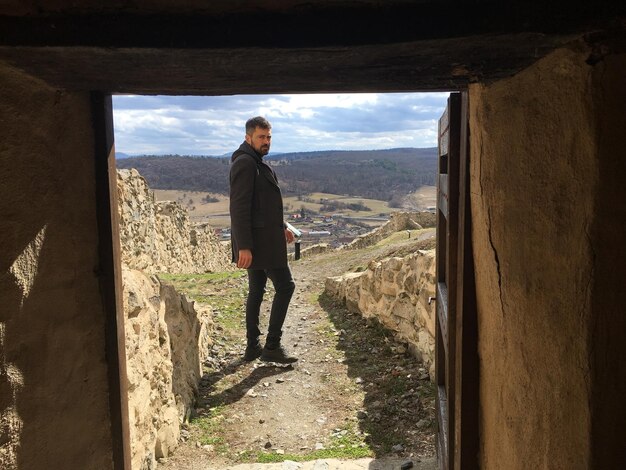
305	198
378	174
182	172
208	199
373	174
396	201
330	205
358	206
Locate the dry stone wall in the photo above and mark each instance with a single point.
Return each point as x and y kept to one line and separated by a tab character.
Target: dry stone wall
395	291
311	250
167	336
398	221
167	339
158	236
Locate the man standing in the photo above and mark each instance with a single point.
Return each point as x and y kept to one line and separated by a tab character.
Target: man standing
259	239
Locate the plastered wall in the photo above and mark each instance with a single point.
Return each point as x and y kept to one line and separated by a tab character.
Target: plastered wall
548	230
53	382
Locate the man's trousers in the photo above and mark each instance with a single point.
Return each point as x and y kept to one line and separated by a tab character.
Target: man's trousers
284	287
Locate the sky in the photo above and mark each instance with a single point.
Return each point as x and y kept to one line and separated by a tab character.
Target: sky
214	125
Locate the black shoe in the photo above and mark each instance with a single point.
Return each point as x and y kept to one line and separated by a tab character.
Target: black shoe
279	355
252	352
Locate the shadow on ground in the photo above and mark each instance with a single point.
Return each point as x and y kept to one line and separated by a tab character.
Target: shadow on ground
398	413
238	390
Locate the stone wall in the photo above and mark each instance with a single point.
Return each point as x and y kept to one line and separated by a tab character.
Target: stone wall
311	250
167	339
158	236
395	291
398	221
167	336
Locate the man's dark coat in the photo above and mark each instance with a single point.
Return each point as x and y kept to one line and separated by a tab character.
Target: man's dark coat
256	210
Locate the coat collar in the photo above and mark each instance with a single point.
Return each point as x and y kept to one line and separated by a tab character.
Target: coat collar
246	149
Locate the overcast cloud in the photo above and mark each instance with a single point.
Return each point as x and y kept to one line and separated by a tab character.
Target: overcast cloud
214	125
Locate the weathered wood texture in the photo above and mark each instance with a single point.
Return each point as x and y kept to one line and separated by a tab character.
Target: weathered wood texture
447	281
320	46
427	65
466	429
110	274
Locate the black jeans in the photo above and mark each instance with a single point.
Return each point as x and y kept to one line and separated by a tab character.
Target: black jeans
284	287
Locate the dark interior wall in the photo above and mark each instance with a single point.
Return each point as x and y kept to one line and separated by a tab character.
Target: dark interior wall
534	180
548	235
608	230
54	390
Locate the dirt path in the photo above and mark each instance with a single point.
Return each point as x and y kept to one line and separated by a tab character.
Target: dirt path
354	393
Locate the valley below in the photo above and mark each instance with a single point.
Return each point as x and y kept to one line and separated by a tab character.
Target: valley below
324	218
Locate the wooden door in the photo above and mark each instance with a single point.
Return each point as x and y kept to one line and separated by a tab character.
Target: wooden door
456	332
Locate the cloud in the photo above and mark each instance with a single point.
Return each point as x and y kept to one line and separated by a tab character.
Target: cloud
214	125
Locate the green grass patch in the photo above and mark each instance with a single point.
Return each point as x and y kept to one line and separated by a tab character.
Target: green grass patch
208	426
332	453
199	284
327	331
196	278
385	439
395	385
428	390
344	444
399	236
223	291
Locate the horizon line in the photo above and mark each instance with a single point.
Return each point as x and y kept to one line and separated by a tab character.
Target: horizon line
270	154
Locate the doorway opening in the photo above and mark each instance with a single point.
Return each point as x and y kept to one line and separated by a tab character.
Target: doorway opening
329	207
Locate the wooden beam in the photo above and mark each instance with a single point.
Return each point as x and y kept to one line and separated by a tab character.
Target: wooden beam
444	64
110	276
342	23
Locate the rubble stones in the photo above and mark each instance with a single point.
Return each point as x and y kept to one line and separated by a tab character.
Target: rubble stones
395	291
162	321
158	236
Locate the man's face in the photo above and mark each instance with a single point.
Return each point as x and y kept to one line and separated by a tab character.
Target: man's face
260	140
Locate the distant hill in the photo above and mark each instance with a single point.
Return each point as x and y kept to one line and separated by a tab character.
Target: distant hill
376	174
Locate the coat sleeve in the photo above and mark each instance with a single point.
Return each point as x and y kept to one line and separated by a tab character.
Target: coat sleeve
242	176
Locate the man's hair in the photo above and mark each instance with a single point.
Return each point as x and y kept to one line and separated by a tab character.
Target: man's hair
255	122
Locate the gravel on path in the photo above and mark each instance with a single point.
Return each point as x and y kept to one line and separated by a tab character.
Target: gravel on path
353	393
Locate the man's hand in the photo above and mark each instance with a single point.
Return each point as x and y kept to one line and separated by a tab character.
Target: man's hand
289	236
244	260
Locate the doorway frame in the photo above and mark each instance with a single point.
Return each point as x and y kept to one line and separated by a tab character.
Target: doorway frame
456	328
465	433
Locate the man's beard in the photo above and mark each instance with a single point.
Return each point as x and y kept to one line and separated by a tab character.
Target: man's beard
264	149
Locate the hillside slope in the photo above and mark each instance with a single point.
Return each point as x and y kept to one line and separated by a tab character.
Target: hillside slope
375	174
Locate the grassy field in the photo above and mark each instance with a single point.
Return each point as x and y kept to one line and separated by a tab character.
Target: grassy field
216	213
377	207
425	197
